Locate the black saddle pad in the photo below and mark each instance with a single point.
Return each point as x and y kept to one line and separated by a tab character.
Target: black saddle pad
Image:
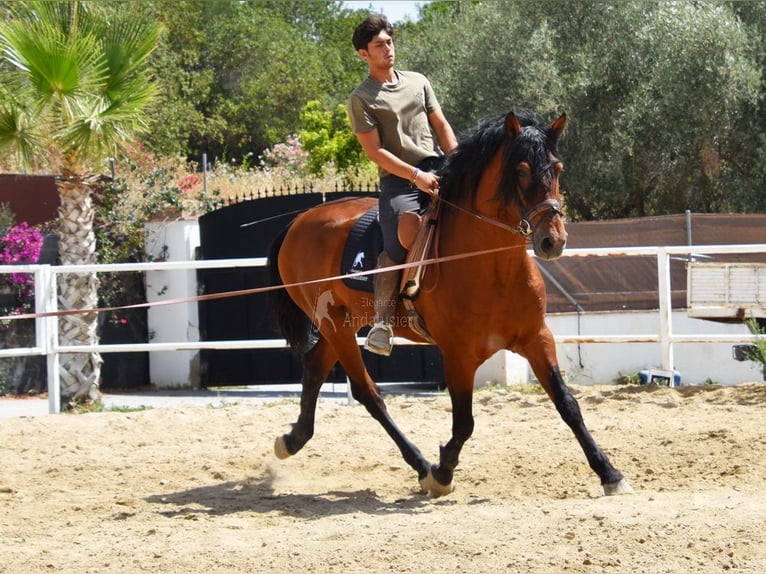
364	244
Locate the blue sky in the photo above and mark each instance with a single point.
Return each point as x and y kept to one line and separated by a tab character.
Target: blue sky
394	10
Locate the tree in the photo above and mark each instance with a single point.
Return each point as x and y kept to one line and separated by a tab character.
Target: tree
662	97
484	58
75	91
234	75
327	137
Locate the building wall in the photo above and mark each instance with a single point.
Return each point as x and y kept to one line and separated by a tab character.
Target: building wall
173	241
604	363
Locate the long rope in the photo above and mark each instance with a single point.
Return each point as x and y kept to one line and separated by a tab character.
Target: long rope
256	290
522	229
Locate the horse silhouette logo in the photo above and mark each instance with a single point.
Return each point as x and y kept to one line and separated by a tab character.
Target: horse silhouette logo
322	309
358	264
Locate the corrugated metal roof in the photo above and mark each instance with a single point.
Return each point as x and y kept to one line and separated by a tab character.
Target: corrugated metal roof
630	282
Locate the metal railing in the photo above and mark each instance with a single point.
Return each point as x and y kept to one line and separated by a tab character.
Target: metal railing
46	297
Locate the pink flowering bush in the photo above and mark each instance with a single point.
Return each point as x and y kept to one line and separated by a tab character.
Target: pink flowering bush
286	159
20	244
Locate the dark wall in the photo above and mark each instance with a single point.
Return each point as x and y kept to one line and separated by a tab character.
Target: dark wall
32	198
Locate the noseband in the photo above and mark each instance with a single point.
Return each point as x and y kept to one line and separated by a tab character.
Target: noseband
549	207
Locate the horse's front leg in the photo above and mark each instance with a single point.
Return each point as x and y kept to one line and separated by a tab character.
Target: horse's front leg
459	380
364	390
542	359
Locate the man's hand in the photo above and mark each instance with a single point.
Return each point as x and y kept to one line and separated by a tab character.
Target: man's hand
428	182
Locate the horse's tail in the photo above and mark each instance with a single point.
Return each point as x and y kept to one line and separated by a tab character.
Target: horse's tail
294	325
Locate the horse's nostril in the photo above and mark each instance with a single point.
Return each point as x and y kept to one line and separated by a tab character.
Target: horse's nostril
547	245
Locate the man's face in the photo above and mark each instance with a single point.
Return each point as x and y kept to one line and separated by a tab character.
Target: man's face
380	51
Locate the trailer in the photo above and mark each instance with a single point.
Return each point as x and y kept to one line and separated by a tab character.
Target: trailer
730	292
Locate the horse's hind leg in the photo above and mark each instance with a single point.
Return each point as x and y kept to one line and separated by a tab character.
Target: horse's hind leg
459	377
316	365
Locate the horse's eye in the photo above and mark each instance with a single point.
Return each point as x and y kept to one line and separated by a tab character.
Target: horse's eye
523	170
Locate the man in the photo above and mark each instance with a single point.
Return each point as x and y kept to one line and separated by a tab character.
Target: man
394	115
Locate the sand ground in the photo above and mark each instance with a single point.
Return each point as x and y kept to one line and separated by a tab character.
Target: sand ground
193	489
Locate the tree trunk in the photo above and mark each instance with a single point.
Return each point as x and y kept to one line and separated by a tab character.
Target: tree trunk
80	372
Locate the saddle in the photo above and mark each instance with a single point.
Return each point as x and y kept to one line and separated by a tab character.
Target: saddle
365	242
416	233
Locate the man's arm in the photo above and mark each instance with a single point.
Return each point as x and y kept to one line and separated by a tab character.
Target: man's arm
444	133
373	147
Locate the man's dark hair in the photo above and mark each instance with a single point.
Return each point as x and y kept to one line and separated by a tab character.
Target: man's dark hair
367	30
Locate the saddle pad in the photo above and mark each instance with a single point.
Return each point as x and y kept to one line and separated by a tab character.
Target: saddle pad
364	244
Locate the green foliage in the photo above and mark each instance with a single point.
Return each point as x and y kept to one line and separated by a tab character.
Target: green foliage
757	352
329	141
236	75
7	218
75	81
664	98
629	379
462	47
146	187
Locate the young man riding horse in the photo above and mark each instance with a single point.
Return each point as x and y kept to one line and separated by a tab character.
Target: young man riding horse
393	114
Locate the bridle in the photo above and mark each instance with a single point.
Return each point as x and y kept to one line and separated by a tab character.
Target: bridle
548	208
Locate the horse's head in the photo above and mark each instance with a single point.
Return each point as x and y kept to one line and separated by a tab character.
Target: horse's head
530	181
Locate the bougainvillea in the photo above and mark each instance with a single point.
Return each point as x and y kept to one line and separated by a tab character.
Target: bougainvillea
20	244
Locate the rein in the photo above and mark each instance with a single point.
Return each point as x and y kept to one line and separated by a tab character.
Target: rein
524	228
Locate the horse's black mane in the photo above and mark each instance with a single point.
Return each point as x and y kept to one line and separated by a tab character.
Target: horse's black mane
477	147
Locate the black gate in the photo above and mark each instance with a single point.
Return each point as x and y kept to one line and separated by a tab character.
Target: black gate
222	236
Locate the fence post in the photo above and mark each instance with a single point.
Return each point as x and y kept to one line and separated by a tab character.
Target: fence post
666	310
47	332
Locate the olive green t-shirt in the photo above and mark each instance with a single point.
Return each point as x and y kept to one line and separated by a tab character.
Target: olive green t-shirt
400	113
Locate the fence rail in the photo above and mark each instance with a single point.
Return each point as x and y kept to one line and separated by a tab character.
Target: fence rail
46	297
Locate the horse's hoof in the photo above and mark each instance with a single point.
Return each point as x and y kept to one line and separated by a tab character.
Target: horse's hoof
280	448
619	487
433	488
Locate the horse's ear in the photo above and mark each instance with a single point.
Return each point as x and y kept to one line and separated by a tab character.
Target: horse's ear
557	127
512	125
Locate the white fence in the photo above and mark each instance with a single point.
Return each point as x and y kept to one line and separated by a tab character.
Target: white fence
46	297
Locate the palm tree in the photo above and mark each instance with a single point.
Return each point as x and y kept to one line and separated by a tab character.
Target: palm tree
74	89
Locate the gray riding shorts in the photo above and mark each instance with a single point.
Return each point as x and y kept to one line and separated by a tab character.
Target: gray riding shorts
398	196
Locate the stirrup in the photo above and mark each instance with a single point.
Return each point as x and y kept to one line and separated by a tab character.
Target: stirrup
379	339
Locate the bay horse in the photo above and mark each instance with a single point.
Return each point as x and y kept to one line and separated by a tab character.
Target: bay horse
499	188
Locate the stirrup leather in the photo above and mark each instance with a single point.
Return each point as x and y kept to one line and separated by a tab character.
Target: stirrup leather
418	248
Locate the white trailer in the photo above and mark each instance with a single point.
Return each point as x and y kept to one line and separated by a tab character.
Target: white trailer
732	292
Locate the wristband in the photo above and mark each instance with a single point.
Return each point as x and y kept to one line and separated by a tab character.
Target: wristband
415	175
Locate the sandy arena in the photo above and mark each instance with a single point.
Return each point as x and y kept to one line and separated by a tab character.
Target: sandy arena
194	489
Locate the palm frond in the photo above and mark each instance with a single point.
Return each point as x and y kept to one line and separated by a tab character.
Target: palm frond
104	125
19	129
87	74
17	134
127	45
